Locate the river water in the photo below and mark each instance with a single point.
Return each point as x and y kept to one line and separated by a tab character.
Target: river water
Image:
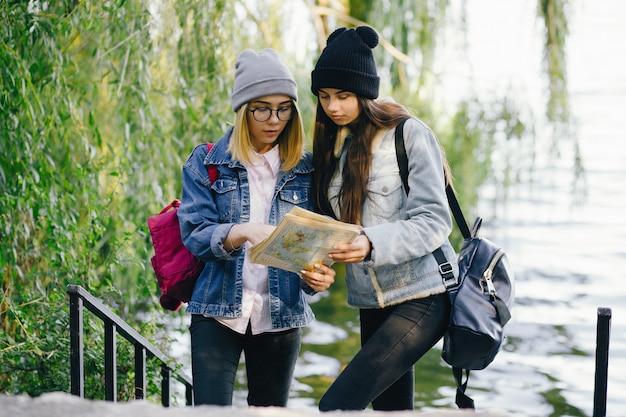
568	247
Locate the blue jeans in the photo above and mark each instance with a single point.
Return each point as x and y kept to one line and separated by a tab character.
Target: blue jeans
215	351
393	339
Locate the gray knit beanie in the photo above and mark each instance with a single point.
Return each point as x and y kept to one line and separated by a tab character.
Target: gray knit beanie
347	63
262	74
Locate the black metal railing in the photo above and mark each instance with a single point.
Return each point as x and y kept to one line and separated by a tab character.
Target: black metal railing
113	325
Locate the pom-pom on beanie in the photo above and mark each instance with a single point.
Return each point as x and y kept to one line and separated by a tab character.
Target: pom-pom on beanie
347	63
261	74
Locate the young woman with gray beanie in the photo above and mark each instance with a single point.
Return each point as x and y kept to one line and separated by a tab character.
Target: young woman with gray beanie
391	274
237	306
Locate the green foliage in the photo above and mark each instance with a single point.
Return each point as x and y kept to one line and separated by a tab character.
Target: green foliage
554	14
483	146
94	127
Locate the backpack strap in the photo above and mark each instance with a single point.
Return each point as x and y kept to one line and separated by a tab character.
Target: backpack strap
462	400
403	161
445	268
403	164
211	169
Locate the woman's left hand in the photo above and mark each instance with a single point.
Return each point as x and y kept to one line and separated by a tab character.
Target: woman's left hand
320	279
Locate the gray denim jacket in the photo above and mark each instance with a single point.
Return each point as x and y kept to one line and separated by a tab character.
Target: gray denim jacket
404	230
206	214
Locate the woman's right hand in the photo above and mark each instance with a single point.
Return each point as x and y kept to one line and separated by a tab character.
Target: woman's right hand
257	232
247	232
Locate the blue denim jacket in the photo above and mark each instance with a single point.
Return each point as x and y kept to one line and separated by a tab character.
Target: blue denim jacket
404	230
206	214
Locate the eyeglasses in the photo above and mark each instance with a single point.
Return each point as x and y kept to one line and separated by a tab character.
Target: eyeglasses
263	114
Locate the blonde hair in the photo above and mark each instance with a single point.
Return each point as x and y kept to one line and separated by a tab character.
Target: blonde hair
290	141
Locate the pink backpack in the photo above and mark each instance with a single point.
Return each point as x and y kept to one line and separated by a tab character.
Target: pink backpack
175	267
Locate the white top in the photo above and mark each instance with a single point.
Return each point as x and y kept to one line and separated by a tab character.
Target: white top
262	175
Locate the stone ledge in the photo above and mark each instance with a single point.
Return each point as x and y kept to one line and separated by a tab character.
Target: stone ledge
61	404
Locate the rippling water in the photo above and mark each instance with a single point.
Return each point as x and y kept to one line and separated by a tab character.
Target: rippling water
569	249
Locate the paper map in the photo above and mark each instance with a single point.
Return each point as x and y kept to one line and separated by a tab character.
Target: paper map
301	240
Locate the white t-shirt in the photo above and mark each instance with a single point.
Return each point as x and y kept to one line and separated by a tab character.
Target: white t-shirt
262	175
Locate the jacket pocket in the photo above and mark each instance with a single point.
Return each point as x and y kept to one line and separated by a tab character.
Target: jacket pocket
387	199
224	185
226	198
294	195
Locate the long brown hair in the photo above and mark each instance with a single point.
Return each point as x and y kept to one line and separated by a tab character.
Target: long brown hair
375	114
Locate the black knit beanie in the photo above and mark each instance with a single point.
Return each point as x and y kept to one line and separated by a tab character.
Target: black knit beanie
347	63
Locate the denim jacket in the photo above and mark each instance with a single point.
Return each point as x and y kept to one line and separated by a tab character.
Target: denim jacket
206	214
404	230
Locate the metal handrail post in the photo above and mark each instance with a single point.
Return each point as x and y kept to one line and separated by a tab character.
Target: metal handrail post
140	372
166	376
110	361
77	369
602	361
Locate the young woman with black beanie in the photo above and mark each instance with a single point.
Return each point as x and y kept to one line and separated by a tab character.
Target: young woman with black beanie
391	274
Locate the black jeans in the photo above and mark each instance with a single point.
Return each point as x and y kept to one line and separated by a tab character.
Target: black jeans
215	351
393	339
